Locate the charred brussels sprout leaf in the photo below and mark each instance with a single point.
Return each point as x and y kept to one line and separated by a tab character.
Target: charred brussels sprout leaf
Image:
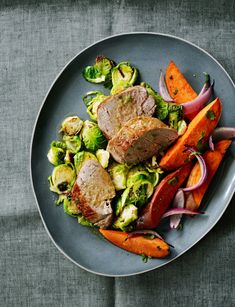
123	76
124	72
92	136
100	72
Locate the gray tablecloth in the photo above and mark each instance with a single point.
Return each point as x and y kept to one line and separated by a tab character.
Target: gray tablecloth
37	38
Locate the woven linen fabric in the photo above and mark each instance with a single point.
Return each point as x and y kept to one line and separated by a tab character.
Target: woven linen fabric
37	38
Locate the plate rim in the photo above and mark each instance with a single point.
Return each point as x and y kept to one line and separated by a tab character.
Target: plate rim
33	134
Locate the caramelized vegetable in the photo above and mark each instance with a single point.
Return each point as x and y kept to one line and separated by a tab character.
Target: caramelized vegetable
213	160
179	88
196	136
162	198
155	248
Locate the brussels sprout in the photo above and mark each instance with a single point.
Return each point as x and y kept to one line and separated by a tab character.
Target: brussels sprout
137	173
175	114
118	174
56	155
154	170
162	106
121	202
139	192
70	207
181	127
88	98
171	112
128	215
92	101
100	72
62	178
92	136
124	72
71	125
83	221
59	144
68	157
103	157
119	87
81	157
73	143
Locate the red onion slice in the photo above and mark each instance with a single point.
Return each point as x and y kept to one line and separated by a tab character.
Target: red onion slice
206	84
180	211
178	202
211	144
198	103
223	133
163	88
203	169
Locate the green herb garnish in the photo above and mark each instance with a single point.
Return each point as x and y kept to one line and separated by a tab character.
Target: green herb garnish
145	258
173	180
210	115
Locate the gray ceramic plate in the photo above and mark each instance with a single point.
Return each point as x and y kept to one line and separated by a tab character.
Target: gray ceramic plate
149	52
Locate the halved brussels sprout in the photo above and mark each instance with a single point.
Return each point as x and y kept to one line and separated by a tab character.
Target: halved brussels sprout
127	216
119	87
118	173
70	207
162	106
139	192
124	72
137	173
88	98
62	178
181	127
103	157
83	221
100	71
56	155
73	143
81	157
171	112
93	103
92	136
154	170
71	125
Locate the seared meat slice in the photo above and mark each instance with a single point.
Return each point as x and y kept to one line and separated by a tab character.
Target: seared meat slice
139	139
93	192
119	108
